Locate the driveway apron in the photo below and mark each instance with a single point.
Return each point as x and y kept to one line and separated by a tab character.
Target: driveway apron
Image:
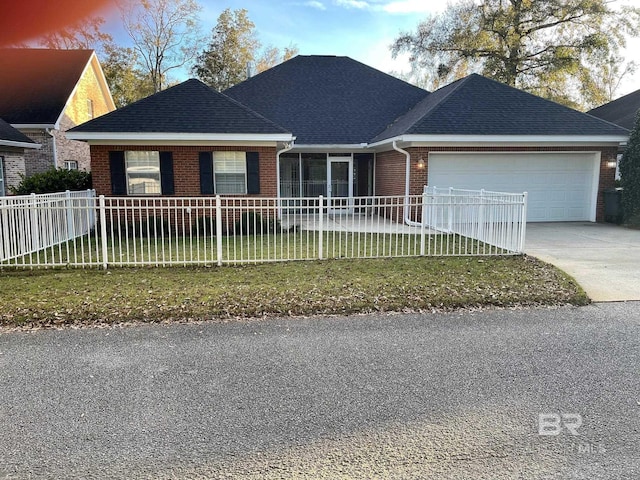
603	258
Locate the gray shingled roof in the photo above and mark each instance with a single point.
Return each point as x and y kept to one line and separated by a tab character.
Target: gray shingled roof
35	84
477	105
328	99
10	134
621	111
190	107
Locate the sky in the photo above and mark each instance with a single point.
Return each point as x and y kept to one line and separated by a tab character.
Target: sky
360	29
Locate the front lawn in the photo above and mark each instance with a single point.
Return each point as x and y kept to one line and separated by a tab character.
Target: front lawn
58	297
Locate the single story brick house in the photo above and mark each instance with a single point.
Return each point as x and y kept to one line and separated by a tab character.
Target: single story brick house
324	125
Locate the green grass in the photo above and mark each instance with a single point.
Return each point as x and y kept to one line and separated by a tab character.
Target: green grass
58	297
302	245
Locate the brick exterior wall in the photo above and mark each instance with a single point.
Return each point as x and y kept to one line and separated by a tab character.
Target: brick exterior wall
71	149
13	166
390	173
186	167
390	168
36	161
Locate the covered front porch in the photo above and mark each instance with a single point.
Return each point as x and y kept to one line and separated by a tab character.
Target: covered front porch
332	175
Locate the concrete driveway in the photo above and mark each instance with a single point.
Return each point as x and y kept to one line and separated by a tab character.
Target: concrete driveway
603	258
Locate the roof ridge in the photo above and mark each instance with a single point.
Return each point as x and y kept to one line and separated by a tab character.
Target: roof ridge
453	87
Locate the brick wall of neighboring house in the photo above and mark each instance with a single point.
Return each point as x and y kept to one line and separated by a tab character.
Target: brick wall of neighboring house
38	160
186	167
88	88
80	110
13	166
71	150
390	168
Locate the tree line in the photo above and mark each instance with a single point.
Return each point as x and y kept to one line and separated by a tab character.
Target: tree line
166	35
568	51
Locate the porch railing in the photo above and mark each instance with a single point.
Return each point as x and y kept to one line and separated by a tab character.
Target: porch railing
134	231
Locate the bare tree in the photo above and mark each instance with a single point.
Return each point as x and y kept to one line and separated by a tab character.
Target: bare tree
272	56
164	33
84	34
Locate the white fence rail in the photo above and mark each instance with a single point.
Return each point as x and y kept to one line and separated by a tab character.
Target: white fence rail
37	224
163	231
497	218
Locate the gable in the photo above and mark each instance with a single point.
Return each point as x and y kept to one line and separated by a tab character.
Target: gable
91	97
39	83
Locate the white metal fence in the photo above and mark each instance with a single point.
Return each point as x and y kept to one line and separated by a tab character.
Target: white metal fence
494	217
82	231
39	226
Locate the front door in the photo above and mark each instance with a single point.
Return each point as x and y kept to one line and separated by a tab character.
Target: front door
340	187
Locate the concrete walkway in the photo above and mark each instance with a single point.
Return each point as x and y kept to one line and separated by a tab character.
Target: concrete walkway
603	258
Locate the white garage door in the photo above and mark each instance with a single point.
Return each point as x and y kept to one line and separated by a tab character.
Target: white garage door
561	186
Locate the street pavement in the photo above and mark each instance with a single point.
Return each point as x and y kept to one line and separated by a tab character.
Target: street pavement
442	396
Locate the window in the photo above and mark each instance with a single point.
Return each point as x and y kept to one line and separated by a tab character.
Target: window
230	172
90	108
2	192
143	173
70	165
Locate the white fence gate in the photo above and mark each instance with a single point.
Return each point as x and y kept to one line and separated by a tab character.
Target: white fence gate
77	229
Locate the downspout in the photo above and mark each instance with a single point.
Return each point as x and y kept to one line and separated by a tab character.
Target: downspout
287	147
55	150
407	184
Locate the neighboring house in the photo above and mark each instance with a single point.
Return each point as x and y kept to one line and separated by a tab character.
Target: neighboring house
12	151
621	111
43	93
322	125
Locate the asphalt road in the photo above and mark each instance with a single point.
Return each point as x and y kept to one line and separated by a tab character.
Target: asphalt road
444	396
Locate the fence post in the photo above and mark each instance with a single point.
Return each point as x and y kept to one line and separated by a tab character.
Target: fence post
523	228
482	233
70	223
423	222
450	212
34	222
320	226
219	229
103	232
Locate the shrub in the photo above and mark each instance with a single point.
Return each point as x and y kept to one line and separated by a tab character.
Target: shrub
253	223
204	226
147	227
52	181
630	177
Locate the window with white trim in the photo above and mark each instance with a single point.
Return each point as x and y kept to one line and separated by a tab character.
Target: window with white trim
143	172
2	186
230	172
71	165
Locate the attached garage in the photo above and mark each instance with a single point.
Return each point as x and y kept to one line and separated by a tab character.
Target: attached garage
562	186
